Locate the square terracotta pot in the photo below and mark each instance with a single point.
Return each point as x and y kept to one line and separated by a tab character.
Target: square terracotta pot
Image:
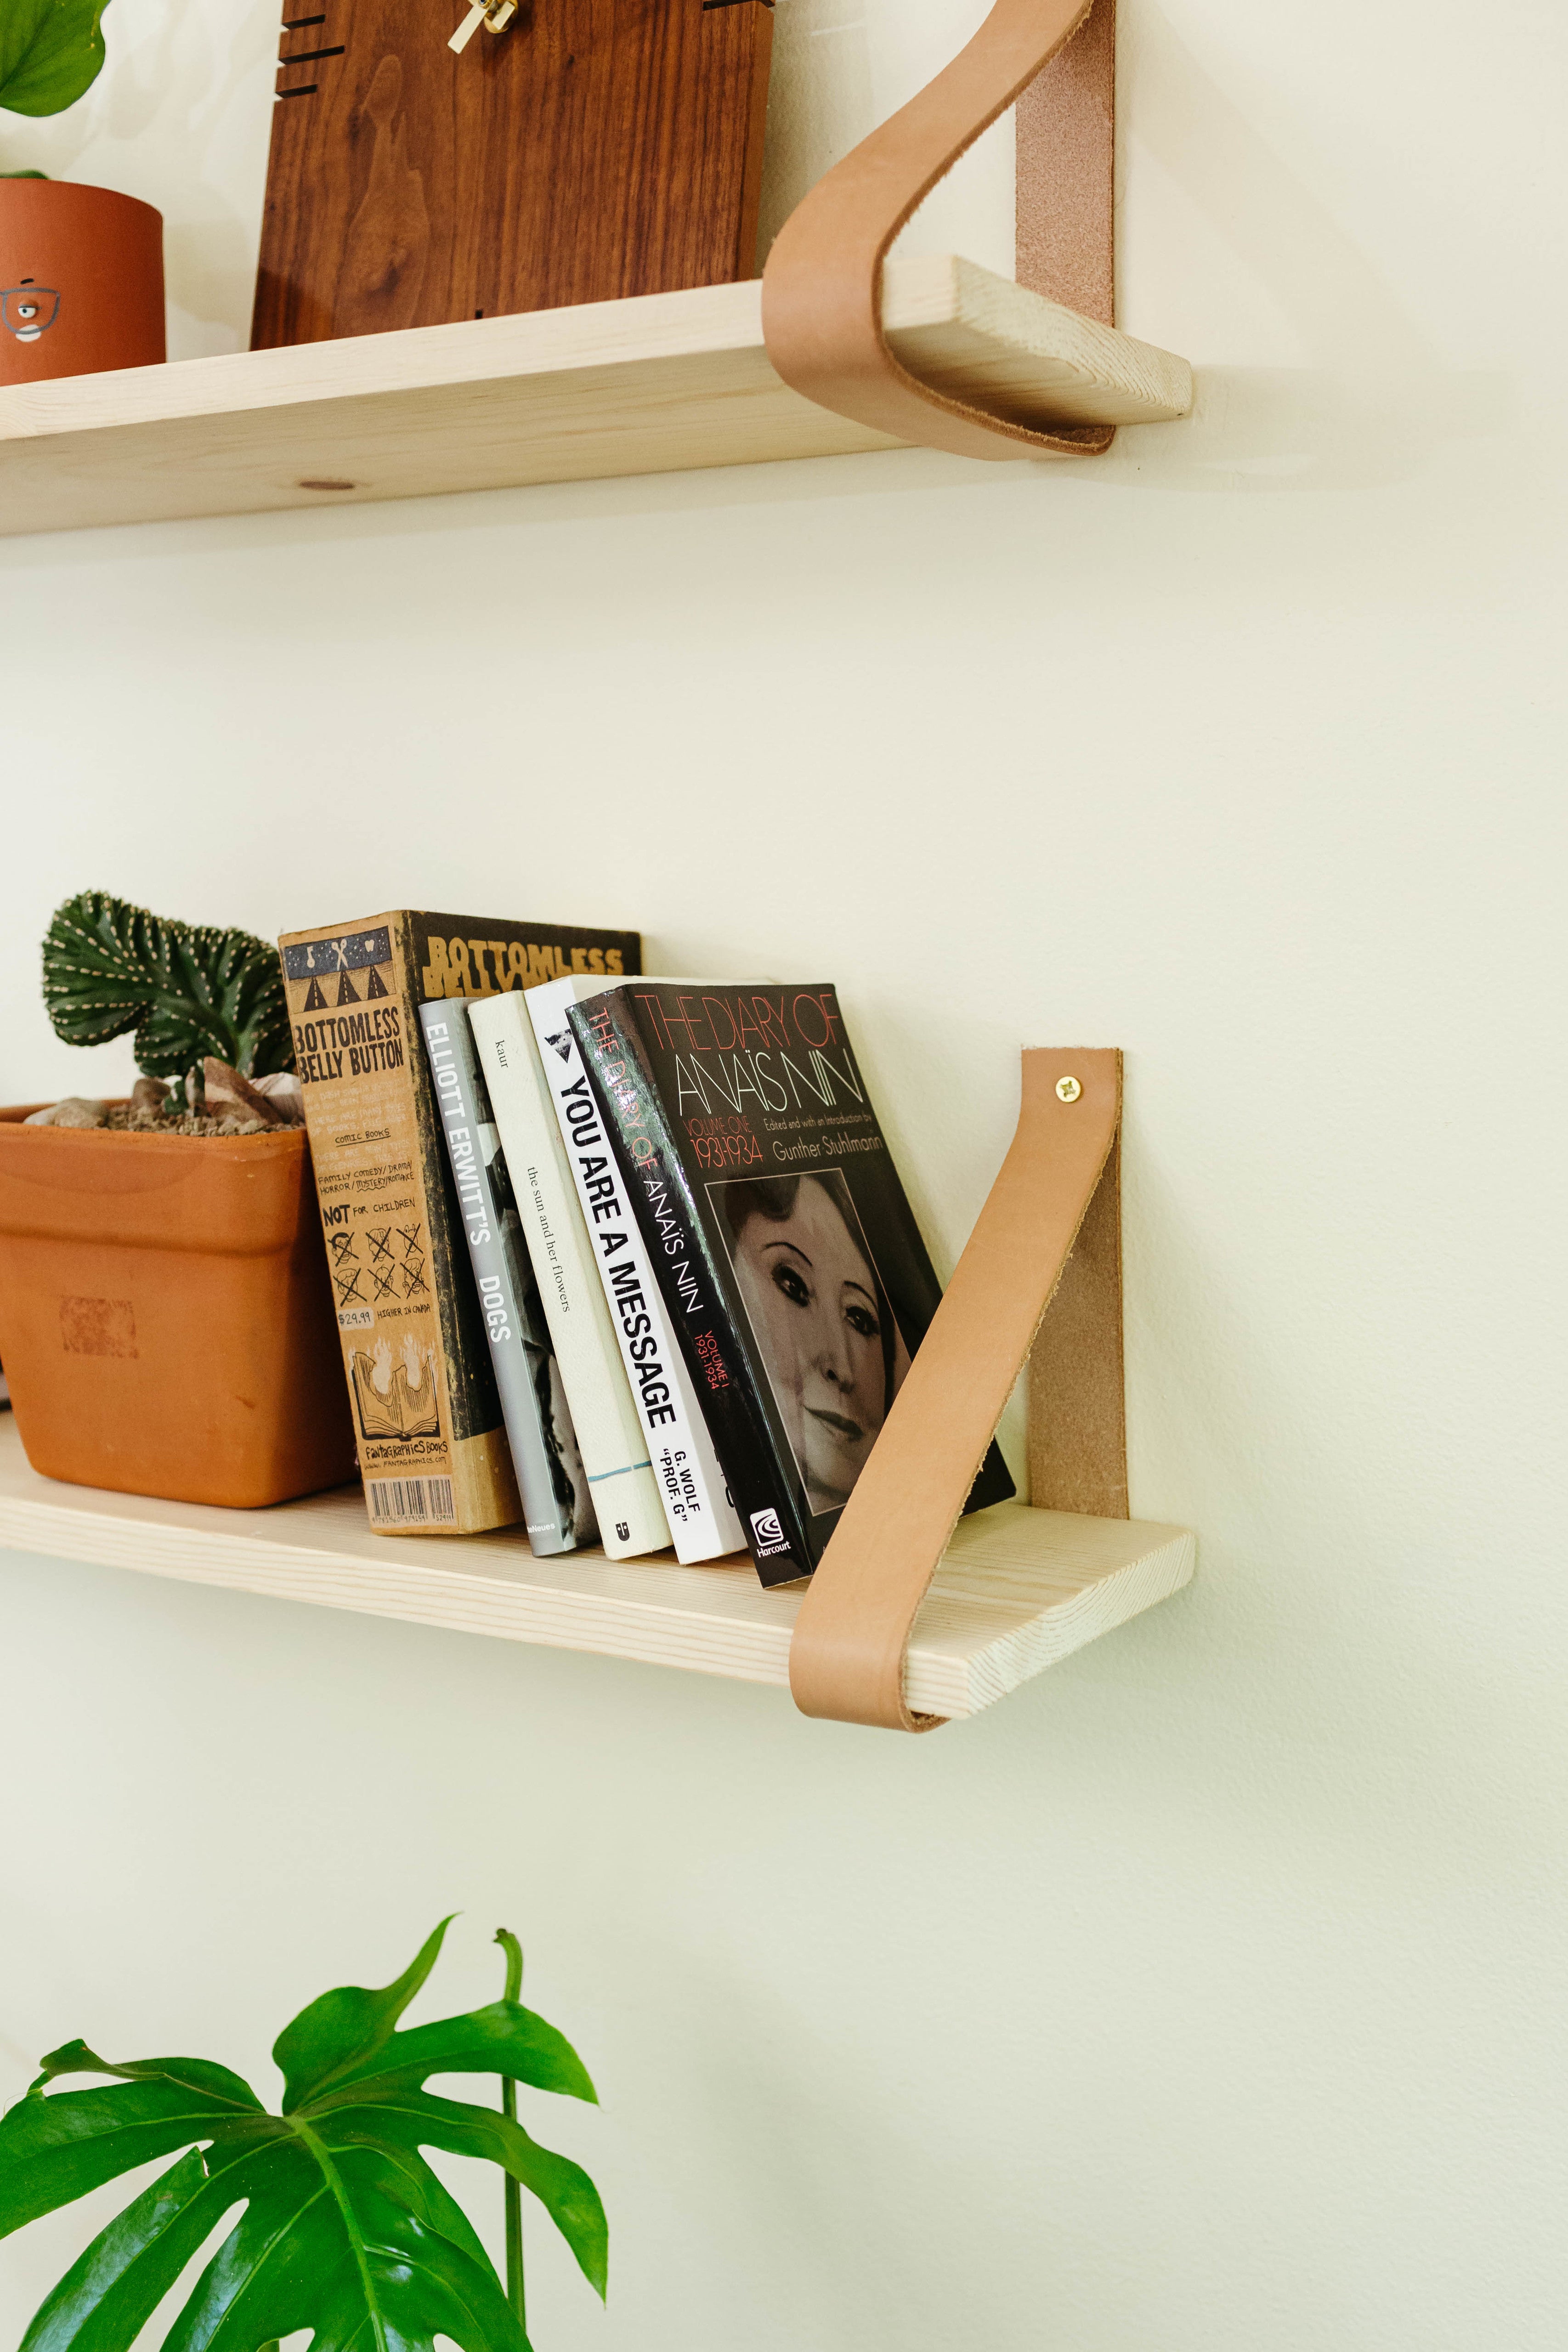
166	1318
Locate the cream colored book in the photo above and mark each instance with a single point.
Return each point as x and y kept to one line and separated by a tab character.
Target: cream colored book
610	1434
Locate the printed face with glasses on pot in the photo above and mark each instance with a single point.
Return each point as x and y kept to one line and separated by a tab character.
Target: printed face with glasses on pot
25	311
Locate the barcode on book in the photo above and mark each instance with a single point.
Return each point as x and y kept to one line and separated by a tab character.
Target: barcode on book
412	1502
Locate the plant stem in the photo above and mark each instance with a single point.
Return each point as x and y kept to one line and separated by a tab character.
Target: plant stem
513	2192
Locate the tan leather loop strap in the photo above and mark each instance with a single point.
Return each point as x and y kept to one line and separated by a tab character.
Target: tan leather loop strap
847	1660
822	288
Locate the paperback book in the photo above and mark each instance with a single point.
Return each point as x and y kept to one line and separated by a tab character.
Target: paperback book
614	1446
431	1438
692	1483
788	1257
557	1509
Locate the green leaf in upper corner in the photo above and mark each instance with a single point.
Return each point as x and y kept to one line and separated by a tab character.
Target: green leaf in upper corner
187	991
50	52
343	2028
24	175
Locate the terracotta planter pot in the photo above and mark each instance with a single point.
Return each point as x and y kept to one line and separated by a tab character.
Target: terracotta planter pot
166	1318
81	280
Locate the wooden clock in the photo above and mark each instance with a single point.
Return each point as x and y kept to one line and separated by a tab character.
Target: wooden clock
433	160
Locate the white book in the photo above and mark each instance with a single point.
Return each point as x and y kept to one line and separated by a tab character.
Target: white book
631	1516
696	1498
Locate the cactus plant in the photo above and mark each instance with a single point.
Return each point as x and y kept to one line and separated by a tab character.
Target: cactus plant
187	991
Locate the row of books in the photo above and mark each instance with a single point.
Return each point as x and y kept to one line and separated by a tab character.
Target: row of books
623	1258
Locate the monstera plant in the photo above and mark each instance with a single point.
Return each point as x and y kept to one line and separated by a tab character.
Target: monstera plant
344	2229
51	51
187	991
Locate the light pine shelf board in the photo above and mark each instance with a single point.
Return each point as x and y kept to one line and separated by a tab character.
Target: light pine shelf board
1017	1589
657	383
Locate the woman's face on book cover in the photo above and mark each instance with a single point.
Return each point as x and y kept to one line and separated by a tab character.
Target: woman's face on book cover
813	1305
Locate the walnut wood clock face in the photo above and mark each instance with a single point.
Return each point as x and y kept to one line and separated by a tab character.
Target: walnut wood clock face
586	150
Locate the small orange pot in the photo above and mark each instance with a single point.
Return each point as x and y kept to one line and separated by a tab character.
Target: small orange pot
82	281
166	1317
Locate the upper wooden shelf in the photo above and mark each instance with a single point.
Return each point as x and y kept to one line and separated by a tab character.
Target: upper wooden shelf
1018	1589
654	384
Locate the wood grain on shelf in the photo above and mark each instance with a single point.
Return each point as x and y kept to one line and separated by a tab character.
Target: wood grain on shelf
1016	1591
656	384
591	150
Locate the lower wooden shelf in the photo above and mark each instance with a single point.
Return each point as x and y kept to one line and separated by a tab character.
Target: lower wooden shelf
1017	1589
652	384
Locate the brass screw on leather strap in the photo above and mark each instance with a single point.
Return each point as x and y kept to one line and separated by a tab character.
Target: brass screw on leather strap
1067	1089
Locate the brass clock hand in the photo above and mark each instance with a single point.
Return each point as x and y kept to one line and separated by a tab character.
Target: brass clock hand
494	15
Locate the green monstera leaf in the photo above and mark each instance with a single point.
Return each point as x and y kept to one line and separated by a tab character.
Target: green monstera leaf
50	52
344	2229
186	992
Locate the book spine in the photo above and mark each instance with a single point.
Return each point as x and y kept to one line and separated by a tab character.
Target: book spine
543	1448
692	1484
692	1284
613	1446
427	1420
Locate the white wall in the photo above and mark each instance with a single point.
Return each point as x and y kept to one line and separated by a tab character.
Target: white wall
1207	1996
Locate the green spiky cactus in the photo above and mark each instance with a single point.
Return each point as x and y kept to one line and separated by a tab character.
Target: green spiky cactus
187	990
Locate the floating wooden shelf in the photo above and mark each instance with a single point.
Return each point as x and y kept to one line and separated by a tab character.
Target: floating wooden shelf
654	384
1018	1589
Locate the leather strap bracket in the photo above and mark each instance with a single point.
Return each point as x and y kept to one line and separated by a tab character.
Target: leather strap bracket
1058	1186
822	288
